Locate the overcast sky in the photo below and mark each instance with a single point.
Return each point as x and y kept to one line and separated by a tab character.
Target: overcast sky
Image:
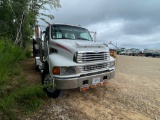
127	23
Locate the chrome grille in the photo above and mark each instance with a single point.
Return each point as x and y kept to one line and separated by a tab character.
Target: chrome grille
93	67
92	56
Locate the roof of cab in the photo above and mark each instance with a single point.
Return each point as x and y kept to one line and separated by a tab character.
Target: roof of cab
66	24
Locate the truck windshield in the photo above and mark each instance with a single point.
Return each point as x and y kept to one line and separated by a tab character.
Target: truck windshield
69	32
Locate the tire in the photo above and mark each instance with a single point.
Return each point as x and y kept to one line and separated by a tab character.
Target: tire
47	80
153	55
33	44
36	66
146	55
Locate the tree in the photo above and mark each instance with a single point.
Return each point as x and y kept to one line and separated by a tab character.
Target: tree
18	17
45	5
6	18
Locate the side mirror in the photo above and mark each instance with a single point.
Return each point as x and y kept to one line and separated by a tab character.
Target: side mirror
93	35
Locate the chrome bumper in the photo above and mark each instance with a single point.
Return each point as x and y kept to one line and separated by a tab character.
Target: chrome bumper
77	82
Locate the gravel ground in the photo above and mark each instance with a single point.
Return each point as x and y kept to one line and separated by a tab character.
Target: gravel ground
134	94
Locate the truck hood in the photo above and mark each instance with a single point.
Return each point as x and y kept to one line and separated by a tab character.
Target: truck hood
79	45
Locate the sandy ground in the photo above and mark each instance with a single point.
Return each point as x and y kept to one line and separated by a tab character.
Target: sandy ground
134	94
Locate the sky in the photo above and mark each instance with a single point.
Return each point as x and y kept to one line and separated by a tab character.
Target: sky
127	23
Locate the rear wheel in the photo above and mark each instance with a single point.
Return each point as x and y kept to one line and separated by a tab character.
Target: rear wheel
36	66
49	87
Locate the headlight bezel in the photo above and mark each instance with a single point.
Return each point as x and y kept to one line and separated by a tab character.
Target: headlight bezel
66	70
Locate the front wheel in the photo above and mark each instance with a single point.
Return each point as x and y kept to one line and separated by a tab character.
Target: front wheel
49	88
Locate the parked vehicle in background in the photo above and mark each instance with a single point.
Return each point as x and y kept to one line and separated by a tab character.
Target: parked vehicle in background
71	59
155	54
139	53
148	52
120	50
122	53
128	52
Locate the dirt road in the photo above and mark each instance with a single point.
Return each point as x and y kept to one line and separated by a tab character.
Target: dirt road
134	94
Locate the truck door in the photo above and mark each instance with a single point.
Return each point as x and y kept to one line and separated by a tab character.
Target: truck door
46	40
42	48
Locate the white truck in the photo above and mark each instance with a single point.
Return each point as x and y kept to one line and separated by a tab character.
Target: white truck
70	59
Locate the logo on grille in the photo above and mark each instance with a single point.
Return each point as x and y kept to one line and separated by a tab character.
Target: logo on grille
93	67
96	52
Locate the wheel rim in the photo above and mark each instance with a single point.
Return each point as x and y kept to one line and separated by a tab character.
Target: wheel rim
48	83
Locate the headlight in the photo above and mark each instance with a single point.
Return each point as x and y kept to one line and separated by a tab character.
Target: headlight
67	71
112	64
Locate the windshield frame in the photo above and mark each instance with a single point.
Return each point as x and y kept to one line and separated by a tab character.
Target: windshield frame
75	30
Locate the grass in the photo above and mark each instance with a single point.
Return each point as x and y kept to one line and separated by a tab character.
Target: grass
16	93
10	54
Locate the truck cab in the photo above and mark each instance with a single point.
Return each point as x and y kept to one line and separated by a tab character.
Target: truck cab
70	59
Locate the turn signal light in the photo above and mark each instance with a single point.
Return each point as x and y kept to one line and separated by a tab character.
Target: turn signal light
92	86
56	70
105	83
99	84
83	89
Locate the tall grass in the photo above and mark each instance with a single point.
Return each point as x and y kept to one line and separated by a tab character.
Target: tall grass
9	55
22	96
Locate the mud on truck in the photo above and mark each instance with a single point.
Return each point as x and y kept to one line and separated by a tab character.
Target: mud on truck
69	58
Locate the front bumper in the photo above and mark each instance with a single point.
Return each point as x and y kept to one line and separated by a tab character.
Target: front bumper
70	83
